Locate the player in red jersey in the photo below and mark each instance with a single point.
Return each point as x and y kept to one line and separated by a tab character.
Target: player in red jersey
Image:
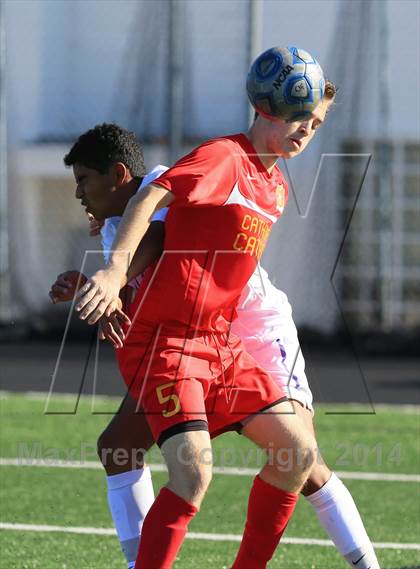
264	324
229	184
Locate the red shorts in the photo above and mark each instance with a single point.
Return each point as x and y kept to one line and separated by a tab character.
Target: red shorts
207	381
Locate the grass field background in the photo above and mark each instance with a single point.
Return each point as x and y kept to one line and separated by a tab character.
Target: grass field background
385	442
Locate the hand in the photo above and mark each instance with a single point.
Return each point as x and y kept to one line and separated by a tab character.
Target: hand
95	225
66	286
100	295
111	327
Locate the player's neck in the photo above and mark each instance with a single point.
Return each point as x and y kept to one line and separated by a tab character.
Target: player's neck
124	193
268	160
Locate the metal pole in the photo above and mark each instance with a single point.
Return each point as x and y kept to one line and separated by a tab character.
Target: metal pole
255	41
384	172
5	283
176	78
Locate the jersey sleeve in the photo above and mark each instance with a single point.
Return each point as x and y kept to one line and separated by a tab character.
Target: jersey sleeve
205	177
108	233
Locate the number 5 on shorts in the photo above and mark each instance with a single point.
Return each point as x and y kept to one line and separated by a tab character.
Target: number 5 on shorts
166	398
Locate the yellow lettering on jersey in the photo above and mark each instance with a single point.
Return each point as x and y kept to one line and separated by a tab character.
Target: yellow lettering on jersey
240	242
280	197
254	224
250	245
245	222
265	232
259	249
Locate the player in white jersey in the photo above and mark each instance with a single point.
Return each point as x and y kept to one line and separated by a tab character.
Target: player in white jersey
264	323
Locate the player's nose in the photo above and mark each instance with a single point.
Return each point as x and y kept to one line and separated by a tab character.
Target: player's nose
304	127
78	193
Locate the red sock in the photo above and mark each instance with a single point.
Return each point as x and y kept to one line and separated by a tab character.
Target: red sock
269	510
164	530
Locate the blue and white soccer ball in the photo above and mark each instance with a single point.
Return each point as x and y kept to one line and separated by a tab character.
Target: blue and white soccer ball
285	82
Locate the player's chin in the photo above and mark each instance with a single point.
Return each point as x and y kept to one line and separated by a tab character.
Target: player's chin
292	149
95	212
290	153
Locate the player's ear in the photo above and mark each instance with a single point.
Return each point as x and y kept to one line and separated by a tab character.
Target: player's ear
121	173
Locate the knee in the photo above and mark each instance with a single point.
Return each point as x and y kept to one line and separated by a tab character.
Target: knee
198	483
306	453
294	464
189	459
200	479
191	479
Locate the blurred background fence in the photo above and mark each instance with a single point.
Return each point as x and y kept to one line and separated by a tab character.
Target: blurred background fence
347	250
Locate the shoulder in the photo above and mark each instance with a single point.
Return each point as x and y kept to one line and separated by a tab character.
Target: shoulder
232	141
225	145
218	156
212	156
153	175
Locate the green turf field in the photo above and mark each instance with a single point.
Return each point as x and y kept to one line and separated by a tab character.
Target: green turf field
387	442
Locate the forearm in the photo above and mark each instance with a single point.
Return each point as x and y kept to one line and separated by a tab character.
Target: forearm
150	249
133	226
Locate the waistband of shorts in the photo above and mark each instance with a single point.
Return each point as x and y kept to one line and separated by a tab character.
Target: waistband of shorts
177	329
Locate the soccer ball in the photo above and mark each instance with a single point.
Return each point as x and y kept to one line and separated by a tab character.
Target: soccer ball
285	82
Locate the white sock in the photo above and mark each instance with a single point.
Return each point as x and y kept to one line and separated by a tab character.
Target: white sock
130	496
340	517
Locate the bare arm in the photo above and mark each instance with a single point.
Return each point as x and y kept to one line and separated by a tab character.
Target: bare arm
150	249
134	224
100	294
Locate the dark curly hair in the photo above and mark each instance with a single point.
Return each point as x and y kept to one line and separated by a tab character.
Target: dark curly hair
104	145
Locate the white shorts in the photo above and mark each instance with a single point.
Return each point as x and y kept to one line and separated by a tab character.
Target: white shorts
265	326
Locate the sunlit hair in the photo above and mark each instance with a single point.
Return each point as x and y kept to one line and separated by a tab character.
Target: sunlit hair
104	145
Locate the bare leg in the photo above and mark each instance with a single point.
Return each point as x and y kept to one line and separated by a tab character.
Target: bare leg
320	473
291	446
166	523
122	445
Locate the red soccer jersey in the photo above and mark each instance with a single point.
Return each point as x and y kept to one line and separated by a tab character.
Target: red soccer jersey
215	232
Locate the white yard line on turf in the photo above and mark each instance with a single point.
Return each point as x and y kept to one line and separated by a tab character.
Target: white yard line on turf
407	408
229	471
194	535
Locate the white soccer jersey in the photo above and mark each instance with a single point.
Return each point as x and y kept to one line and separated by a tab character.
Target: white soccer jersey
110	227
264	323
265	326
